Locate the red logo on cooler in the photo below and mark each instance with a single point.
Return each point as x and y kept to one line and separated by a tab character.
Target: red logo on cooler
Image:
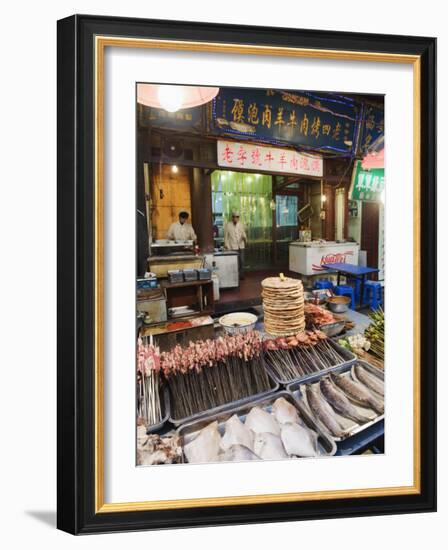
338	258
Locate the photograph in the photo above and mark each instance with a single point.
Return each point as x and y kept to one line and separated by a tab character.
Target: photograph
260	276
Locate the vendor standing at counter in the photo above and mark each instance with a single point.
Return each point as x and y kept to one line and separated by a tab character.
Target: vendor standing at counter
181	230
235	239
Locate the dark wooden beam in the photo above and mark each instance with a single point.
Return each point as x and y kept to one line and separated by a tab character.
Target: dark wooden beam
201	208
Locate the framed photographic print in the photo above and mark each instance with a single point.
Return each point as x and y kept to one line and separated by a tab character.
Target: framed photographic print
246	274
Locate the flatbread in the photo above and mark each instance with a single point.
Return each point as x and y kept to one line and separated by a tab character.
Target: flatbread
283	305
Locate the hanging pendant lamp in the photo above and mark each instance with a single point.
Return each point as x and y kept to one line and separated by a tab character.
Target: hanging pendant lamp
173	98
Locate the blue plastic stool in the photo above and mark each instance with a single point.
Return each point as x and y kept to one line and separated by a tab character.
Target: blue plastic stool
373	295
356	281
346	290
322	284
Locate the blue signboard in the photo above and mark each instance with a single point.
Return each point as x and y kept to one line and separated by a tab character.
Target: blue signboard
372	126
302	119
185	119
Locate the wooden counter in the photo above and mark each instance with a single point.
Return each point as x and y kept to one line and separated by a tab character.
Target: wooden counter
195	294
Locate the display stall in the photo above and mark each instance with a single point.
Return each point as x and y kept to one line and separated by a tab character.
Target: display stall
269	385
246	204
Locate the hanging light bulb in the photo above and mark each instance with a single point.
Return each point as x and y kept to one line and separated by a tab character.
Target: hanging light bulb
272	204
174	169
170	97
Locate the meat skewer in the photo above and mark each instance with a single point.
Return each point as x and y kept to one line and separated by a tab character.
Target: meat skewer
305	353
209	373
148	382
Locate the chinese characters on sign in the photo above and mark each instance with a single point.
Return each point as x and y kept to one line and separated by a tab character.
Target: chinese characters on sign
326	122
267	159
366	185
372	126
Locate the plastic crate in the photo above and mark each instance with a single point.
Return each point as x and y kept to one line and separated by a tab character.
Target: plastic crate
190	275
204	274
175	275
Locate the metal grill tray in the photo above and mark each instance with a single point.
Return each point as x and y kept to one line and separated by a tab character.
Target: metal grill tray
165	403
189	430
215	410
296	390
349	359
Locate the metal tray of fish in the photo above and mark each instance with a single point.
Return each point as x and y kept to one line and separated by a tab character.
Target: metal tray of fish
350	427
190	430
166	411
215	410
348	356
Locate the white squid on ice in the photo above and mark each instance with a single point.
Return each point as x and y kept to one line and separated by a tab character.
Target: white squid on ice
299	441
236	433
269	446
260	421
206	445
284	411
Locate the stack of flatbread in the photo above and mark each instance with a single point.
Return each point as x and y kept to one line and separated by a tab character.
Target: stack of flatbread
283	305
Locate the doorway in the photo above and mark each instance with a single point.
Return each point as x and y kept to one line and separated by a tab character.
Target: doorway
370	231
251	195
286	207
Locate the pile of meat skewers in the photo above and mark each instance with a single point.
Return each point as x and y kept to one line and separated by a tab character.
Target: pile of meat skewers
210	373
148	382
316	316
297	356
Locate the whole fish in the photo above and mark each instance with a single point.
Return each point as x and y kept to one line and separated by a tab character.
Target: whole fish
340	403
358	393
323	411
369	380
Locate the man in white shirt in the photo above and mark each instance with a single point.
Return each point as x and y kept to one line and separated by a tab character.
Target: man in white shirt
235	239
181	230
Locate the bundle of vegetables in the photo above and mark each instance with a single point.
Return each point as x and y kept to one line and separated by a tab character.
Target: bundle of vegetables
375	332
148	382
210	373
315	316
296	356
